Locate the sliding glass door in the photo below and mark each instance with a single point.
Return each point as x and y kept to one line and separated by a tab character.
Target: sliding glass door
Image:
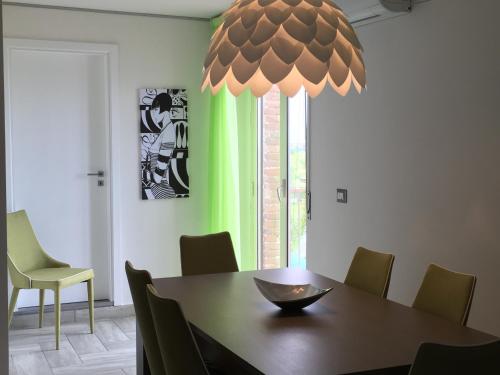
282	174
297	202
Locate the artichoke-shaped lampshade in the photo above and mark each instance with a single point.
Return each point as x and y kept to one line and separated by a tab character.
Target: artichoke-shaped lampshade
289	43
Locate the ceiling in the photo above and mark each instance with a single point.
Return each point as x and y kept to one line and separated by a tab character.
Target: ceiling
184	8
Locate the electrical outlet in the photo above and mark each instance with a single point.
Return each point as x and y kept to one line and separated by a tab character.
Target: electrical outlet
342	196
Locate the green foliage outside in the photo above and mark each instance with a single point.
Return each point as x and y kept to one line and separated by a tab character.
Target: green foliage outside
298	207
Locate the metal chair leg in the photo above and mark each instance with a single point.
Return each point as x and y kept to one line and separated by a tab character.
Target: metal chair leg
90	292
41	307
57	310
12	305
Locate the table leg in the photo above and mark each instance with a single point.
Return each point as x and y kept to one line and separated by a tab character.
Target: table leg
142	361
220	360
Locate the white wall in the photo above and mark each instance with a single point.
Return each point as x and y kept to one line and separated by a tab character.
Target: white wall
419	153
154	52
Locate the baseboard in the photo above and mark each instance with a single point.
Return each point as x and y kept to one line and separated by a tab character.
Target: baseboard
71	313
64	307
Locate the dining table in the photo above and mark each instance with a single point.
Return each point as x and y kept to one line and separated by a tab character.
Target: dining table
348	331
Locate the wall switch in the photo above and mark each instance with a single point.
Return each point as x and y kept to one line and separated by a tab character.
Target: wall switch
342	196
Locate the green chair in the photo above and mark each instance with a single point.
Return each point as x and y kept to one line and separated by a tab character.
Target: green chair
436	359
370	271
138	280
30	267
178	347
212	253
446	294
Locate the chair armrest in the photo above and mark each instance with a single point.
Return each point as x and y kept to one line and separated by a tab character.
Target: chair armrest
18	279
56	263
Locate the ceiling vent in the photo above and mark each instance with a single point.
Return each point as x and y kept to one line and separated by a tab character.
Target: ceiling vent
397	5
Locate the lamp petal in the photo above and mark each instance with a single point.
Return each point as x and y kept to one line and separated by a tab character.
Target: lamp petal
264	31
277	15
254	53
348	32
273	68
338	70
322	53
315	3
325	33
304	15
239	34
292	84
344	49
227	52
312	69
286	49
217	72
250	18
299	31
292	3
259	84
358	69
315	89
234	86
329	16
242	69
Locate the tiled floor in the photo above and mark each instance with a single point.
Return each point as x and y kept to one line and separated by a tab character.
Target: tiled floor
110	351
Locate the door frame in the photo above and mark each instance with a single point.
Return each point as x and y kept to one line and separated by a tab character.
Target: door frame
284	182
110	54
284	175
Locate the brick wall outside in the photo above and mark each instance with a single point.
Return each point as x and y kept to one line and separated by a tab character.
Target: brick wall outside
271	180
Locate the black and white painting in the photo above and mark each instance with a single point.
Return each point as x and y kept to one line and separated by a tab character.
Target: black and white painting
164	143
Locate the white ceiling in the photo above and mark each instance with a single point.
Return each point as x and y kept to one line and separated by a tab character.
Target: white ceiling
186	8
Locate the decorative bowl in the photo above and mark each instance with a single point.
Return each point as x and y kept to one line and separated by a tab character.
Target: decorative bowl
290	297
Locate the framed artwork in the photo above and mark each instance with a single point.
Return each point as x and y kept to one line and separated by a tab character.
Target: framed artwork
164	143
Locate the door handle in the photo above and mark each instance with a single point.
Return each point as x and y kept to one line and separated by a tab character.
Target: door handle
281	190
97	174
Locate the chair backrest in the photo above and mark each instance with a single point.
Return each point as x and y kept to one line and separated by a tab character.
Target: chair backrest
436	359
138	280
370	271
178	347
22	245
446	293
212	253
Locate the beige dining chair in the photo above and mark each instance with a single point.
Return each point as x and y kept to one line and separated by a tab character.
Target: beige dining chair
30	267
138	280
370	271
446	293
437	359
212	253
178	347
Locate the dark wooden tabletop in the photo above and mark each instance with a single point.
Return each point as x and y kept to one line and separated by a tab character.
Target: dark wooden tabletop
348	331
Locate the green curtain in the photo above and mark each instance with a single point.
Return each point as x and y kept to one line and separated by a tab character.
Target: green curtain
232	171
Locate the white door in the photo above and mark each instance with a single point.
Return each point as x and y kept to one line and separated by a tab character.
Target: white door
59	134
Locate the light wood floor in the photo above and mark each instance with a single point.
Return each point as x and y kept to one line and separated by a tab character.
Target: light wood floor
110	351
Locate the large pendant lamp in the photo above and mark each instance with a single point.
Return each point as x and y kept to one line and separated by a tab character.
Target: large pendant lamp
288	43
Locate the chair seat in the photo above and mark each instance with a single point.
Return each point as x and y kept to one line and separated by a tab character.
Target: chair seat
50	278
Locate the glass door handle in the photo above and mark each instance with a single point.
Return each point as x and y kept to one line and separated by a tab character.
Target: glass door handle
97	174
281	190
309	203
